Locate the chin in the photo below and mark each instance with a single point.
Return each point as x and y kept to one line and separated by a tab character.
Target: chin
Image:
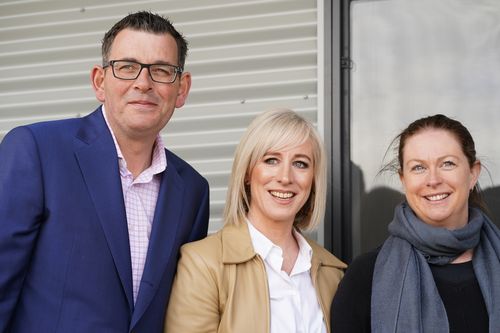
282	218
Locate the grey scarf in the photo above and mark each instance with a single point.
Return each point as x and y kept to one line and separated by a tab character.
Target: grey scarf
404	295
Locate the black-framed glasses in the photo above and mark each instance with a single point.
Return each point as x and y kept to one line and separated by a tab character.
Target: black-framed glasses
130	70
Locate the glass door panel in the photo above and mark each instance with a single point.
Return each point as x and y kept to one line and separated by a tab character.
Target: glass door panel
412	59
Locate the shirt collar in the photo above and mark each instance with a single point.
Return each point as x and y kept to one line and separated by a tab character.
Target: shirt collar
264	247
158	162
261	244
304	258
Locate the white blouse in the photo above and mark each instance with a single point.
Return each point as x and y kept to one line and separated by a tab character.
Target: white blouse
294	303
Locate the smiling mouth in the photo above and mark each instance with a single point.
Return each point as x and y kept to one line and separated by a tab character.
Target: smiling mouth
437	197
282	195
142	103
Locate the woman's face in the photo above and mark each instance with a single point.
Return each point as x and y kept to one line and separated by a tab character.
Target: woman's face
280	184
437	178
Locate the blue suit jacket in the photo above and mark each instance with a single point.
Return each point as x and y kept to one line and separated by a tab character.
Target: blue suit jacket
64	247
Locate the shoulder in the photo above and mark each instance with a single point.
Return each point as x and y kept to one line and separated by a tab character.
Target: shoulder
211	241
56	132
42	129
365	261
207	251
55	124
352	303
357	281
325	256
93	122
364	264
34	140
17	136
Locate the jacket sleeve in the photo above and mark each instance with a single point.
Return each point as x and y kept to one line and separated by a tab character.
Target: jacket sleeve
200	226
21	213
194	301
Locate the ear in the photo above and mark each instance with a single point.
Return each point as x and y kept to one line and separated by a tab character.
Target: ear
97	79
185	85
475	172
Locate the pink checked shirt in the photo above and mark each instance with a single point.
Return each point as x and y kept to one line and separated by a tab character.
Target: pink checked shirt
140	197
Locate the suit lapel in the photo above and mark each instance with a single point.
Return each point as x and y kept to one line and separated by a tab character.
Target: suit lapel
97	157
166	222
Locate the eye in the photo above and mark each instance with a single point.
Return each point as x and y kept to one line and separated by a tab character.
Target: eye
418	168
449	164
127	66
271	160
301	164
165	71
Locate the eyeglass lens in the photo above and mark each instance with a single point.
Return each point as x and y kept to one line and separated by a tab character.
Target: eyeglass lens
129	70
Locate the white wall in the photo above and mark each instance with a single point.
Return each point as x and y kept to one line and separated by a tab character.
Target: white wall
245	57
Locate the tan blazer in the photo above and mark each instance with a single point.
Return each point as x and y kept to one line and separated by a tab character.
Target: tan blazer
221	285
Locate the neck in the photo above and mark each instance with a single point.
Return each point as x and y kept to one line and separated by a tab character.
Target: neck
281	234
137	153
464	257
278	233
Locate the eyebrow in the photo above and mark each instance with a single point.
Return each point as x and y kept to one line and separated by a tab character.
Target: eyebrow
159	62
294	156
438	159
304	156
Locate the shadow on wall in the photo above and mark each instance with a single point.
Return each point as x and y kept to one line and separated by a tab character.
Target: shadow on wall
492	198
377	211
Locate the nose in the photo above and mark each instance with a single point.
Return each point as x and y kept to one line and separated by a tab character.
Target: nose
285	174
433	177
143	81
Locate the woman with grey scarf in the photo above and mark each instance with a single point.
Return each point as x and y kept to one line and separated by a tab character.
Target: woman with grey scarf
439	270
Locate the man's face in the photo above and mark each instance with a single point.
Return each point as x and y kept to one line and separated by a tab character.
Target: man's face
140	108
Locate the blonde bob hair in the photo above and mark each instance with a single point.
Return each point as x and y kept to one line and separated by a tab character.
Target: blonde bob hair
276	130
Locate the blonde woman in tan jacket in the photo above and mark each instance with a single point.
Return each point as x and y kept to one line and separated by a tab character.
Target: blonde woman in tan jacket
259	274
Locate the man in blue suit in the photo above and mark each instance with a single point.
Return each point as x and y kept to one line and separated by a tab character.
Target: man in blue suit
93	210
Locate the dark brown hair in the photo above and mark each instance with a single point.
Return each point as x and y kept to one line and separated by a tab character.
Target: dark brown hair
440	122
149	22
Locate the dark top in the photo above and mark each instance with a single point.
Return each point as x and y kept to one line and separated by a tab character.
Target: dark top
456	283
